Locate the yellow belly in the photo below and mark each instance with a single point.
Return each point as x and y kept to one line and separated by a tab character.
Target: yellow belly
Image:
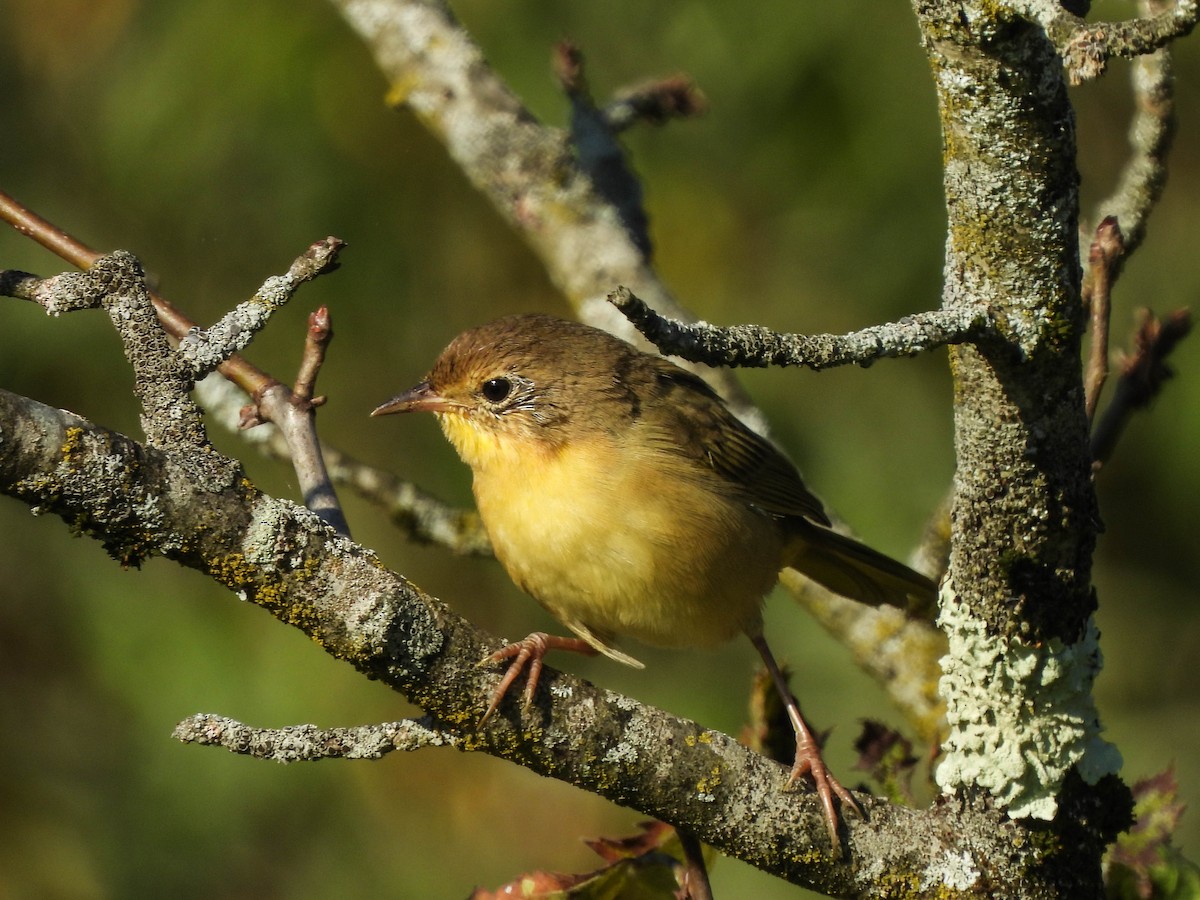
628	543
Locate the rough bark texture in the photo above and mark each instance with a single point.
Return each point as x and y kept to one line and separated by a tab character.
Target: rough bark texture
1030	792
1018	598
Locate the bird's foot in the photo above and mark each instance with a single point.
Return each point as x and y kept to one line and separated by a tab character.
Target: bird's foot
809	762
529	651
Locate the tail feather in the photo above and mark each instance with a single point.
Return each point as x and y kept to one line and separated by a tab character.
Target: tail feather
852	569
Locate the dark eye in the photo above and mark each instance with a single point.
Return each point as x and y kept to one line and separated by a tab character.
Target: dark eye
495	390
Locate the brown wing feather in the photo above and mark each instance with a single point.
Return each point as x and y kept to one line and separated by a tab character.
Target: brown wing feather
702	427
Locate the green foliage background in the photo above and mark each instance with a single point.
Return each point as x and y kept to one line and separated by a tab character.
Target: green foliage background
217	139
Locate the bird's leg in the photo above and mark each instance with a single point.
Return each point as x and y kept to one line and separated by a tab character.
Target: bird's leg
808	750
531	650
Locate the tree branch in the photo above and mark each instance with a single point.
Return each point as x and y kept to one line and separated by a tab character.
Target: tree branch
1151	133
1086	48
166	376
308	743
140	501
526	169
1141	378
753	345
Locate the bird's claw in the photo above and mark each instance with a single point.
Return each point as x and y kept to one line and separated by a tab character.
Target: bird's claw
529	651
809	762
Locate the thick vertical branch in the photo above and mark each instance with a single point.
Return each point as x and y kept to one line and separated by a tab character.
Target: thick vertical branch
1018	602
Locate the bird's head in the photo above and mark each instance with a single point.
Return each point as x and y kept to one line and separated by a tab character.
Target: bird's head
518	385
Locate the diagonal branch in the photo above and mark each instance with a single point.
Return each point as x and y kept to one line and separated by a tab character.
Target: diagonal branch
140	501
527	170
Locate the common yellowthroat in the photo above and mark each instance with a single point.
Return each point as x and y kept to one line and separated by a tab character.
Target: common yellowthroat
622	494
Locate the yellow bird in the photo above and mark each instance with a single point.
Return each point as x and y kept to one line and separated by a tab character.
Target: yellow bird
620	492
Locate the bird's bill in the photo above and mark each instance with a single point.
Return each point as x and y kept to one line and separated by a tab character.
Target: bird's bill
421	398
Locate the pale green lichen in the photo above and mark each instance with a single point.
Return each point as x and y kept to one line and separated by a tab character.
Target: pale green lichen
957	870
1021	715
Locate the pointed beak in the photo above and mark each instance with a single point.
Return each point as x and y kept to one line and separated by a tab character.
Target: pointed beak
421	398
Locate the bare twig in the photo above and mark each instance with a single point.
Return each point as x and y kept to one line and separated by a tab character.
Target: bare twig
418	514
695	885
293	412
1142	376
753	345
199	350
656	102
597	150
308	743
1104	257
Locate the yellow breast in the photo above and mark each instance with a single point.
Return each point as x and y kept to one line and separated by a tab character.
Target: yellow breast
621	536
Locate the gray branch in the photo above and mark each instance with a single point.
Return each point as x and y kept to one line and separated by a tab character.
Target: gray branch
754	345
308	743
207	348
1150	136
140	501
1086	48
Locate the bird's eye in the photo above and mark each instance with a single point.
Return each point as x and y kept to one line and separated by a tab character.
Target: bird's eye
495	390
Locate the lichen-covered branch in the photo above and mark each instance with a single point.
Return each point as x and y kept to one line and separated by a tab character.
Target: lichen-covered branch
754	345
1087	47
165	375
525	168
1017	602
308	743
140	501
207	348
1150	136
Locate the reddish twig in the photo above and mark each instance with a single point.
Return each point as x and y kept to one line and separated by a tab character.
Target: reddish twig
1105	255
246	376
272	400
1142	376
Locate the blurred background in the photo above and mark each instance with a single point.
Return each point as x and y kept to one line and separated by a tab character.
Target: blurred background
216	139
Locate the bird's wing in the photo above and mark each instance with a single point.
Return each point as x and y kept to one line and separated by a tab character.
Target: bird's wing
699	425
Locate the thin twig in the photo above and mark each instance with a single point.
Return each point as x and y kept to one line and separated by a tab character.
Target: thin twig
1142	376
1104	256
695	885
308	743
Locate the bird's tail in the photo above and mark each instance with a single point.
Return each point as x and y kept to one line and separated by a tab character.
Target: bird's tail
852	569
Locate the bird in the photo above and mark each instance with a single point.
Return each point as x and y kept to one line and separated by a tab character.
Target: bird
621	492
